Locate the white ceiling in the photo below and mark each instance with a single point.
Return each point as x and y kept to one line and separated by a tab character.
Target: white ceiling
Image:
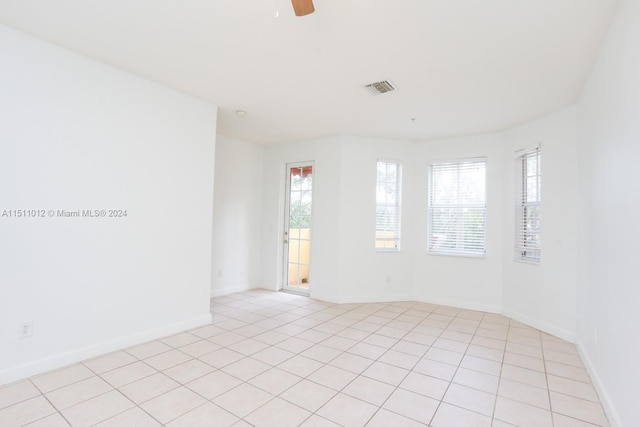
461	66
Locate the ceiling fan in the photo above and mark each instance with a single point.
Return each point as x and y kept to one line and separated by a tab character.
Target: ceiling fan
302	7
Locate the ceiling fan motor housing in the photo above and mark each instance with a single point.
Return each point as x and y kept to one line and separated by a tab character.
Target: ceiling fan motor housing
303	7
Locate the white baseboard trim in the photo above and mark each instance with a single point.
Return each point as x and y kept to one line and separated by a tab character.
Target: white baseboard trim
366	299
459	304
607	404
74	356
229	290
543	326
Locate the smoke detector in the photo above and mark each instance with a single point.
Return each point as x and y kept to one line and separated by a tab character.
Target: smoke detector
381	87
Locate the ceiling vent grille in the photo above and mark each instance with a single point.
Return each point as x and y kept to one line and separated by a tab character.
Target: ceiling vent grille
378	88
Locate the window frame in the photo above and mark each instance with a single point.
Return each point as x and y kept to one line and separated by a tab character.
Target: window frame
431	206
396	205
524	207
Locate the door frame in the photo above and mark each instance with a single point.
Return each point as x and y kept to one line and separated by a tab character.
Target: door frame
284	221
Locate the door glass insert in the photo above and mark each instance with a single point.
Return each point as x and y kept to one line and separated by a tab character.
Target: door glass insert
297	239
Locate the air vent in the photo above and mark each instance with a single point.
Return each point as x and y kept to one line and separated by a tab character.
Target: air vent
380	87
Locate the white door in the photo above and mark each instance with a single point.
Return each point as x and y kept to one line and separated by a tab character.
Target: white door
297	227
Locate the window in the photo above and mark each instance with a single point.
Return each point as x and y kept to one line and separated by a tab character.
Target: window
388	185
527	241
457	207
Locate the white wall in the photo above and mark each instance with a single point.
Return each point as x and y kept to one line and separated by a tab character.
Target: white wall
367	275
325	258
76	134
609	284
344	264
474	283
237	216
544	294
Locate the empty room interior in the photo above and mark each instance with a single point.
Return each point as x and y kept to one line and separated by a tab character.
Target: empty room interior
276	212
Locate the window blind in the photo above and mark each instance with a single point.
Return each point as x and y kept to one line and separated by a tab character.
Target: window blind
528	207
457	207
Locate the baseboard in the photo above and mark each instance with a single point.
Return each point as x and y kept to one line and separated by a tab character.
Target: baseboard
405	297
488	308
367	299
229	290
607	405
74	356
543	326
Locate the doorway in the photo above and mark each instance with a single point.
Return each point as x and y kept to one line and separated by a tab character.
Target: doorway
297	227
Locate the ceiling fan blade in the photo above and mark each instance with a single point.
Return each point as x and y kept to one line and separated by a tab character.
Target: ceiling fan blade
302	7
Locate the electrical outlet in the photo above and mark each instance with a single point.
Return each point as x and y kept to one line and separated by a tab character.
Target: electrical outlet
26	329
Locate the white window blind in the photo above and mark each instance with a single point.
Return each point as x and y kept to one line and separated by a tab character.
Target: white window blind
457	207
388	185
527	233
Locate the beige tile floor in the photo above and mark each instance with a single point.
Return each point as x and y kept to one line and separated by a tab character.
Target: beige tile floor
277	359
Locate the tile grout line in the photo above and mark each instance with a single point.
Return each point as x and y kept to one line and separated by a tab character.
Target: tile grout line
495	405
546	378
456	370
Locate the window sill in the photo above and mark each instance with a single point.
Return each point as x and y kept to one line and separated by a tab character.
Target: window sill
527	261
454	255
